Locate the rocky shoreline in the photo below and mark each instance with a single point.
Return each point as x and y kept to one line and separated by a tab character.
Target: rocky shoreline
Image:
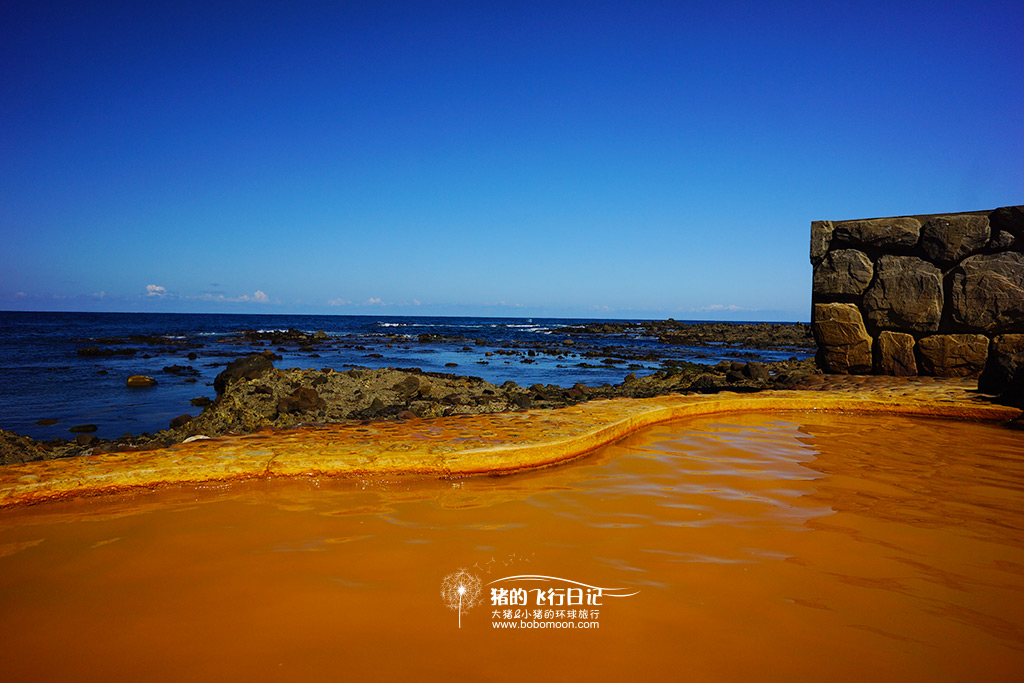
757	335
252	394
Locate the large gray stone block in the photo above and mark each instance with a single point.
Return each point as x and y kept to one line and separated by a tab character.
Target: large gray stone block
947	239
843	340
988	292
878	232
906	295
843	271
953	355
821	238
895	354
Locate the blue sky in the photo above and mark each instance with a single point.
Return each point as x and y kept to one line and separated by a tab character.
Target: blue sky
577	159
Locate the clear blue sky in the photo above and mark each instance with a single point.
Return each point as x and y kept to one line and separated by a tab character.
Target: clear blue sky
584	159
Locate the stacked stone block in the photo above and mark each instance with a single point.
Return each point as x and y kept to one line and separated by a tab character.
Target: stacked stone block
929	295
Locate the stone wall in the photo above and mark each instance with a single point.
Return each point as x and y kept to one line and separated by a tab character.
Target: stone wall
928	295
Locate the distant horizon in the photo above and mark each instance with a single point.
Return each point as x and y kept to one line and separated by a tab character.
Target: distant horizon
419	315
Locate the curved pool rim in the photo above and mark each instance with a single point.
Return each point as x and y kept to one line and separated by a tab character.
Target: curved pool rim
452	447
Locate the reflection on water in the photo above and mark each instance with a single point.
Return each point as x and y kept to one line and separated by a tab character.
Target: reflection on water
792	547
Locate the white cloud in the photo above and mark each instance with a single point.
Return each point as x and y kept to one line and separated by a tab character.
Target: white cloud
374	301
99	295
339	302
155	290
257	297
416	302
721	307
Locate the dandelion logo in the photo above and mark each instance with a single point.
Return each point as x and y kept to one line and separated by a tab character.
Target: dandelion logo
460	591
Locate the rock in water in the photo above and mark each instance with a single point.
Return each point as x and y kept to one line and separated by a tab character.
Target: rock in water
83	429
141	381
250	367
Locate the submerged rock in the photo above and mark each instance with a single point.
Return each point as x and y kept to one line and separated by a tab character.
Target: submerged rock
84	429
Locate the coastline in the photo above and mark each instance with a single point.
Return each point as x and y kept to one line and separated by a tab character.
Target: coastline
454	447
362	369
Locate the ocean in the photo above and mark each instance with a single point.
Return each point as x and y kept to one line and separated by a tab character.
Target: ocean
45	376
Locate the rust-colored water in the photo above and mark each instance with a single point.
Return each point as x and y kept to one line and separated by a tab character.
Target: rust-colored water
787	547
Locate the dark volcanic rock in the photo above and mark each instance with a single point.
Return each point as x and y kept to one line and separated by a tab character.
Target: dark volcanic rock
756	371
250	367
140	381
947	239
180	421
988	292
90	351
15	449
300	401
201	402
83	429
906	295
843	271
180	370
